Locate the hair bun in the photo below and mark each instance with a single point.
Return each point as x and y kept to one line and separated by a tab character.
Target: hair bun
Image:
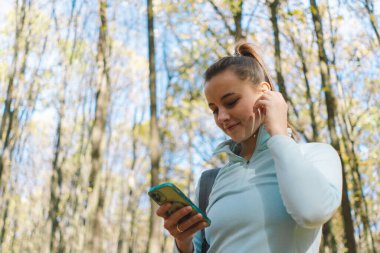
245	49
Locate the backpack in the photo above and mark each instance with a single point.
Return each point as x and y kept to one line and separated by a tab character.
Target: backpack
206	182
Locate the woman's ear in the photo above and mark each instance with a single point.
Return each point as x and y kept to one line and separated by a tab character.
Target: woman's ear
264	86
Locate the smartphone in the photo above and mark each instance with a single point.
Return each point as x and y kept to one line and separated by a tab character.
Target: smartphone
168	192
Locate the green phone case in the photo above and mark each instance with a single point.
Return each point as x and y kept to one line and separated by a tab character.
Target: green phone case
168	192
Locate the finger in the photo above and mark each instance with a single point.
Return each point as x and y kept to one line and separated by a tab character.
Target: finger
261	111
265	96
172	221
161	211
190	222
260	103
270	92
190	232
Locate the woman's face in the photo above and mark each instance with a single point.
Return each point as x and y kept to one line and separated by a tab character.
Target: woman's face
231	100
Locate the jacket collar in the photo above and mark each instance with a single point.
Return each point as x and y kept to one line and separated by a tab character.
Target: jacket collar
232	148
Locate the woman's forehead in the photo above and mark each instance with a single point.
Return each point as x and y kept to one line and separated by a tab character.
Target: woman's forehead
218	91
226	82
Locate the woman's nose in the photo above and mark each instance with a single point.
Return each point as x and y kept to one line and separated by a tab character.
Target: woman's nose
223	116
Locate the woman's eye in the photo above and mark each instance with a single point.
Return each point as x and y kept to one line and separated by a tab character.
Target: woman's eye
214	112
232	103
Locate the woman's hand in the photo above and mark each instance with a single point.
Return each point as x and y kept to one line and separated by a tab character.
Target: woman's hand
272	104
182	231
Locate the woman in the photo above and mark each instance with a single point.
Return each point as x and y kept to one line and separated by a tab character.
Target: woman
274	194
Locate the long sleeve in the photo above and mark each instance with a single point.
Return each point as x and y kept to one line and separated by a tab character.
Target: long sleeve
309	178
197	239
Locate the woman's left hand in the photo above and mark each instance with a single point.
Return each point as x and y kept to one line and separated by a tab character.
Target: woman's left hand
273	105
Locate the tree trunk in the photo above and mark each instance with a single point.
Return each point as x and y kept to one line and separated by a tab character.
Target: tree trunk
331	114
273	7
372	18
237	11
75	181
358	194
56	177
4	220
7	119
329	240
236	8
153	245
132	230
360	204
190	176
314	126
130	205
96	200
10	129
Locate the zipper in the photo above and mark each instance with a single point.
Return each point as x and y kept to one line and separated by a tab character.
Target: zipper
245	162
256	150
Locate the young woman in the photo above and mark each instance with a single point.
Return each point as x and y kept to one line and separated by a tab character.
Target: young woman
274	194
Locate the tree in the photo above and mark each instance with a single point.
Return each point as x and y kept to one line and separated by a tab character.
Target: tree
330	102
273	7
155	154
102	100
369	7
236	9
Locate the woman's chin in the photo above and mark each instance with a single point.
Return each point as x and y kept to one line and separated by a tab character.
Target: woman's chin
239	137
233	137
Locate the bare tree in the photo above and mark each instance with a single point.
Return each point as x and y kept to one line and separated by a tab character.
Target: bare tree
14	117
330	101
56	184
273	8
370	8
9	122
155	154
97	195
236	8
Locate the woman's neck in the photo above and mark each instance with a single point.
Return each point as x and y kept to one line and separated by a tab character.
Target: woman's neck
248	146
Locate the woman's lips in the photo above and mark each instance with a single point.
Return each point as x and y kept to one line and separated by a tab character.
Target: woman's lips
230	128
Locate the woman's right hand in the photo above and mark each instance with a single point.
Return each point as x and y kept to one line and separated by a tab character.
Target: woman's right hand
182	231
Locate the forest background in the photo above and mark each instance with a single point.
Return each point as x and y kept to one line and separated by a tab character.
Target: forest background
100	100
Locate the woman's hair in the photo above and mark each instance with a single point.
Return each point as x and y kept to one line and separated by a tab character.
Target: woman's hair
245	63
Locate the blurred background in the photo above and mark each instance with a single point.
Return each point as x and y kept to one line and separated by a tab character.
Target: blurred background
101	99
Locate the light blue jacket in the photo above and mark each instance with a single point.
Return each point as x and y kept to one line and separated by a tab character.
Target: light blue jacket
275	202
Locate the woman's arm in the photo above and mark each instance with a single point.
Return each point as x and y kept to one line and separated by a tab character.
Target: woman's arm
309	178
197	244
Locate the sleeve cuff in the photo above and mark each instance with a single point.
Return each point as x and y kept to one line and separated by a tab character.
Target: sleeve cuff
279	140
175	247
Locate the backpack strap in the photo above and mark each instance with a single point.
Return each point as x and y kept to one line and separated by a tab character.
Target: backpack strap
206	182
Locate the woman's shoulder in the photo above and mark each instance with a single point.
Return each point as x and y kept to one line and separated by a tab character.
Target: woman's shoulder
318	146
320	151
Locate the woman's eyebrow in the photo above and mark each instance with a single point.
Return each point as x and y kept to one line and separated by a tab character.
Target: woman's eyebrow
224	97
227	95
